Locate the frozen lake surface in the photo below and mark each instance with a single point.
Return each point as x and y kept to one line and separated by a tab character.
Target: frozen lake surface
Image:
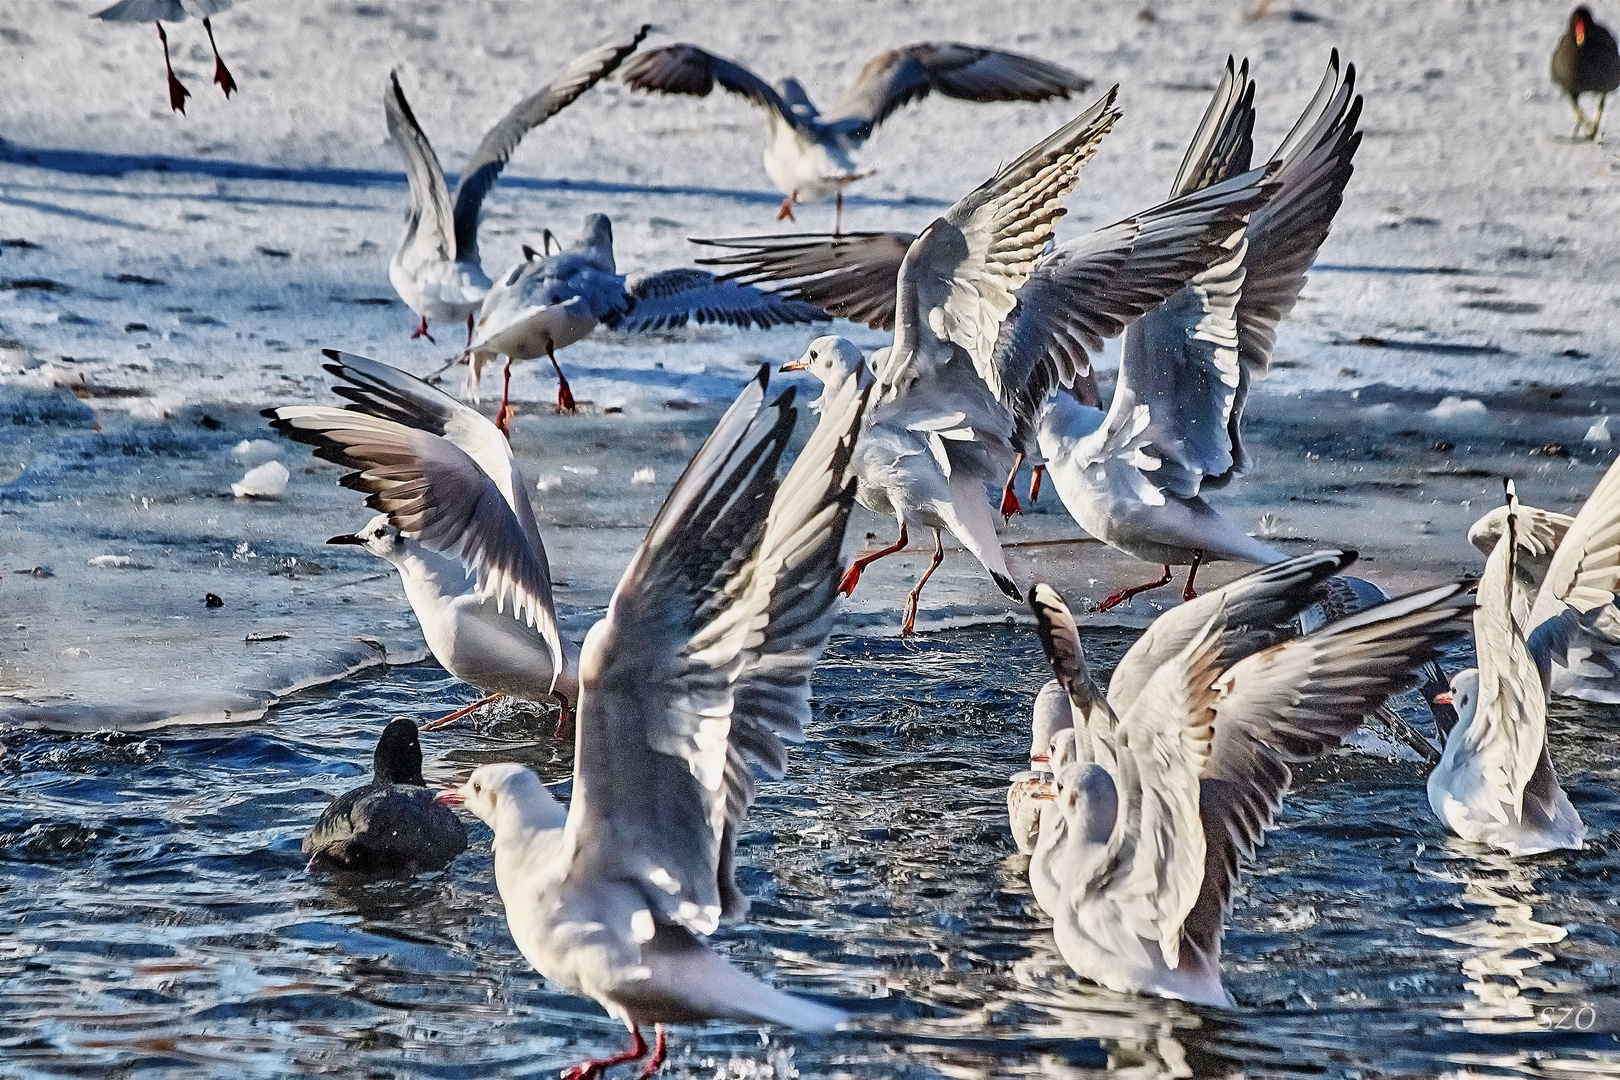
163	278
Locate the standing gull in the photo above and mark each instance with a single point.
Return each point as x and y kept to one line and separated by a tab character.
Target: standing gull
1495	783
811	157
699	673
1134	477
162	11
436	269
1182	769
455	522
548	302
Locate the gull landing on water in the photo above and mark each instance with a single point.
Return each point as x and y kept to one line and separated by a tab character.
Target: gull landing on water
436	268
162	11
690	686
810	157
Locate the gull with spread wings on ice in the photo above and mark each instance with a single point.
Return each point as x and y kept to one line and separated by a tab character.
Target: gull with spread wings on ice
811	157
1173	778
455	521
436	269
698	674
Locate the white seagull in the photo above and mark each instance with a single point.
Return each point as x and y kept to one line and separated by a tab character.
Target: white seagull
548	302
1026	789
162	11
436	269
699	673
1179	772
1495	783
1134	477
811	157
455	522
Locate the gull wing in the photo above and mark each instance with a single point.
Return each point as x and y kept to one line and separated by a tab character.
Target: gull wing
1223	145
670	298
1585	570
687	69
1060	638
1539	532
848	275
969	72
429	224
497	145
701	667
433	492
142	11
958	280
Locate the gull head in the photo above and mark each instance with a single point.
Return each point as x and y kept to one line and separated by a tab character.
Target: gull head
509	798
378	537
1463	697
596	239
831	359
1089	802
1052	714
1063	750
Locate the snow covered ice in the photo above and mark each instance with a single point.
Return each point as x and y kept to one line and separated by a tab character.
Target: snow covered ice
165	277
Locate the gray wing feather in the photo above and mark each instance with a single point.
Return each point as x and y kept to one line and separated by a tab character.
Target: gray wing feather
1223	145
670	298
687	69
429	222
140	11
849	276
971	73
497	145
1585	570
701	667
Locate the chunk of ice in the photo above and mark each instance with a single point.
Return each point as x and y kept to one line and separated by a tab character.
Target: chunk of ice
265	481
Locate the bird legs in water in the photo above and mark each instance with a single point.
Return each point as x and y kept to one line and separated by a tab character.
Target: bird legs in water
596	1069
1188	593
177	91
565	396
222	74
1009	497
459	713
911	601
422	331
852	576
1035	476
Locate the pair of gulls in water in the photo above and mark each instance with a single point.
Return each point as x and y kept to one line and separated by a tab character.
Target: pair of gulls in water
699	672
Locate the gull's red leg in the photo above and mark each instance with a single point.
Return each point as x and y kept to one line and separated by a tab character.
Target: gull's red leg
469	329
1125	594
1035	476
177	92
786	213
565	722
222	74
421	331
597	1067
459	713
838	214
1189	593
659	1053
565	396
916	593
503	418
852	576
1009	497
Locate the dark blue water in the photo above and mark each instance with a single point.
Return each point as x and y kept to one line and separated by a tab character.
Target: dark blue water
156	919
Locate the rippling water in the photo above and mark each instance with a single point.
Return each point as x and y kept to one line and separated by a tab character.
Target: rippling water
156	919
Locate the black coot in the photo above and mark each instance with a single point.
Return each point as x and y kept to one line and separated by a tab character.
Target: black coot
391	825
1586	61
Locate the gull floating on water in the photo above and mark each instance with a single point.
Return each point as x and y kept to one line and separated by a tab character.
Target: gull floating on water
811	157
436	269
455	522
1495	782
1134	477
548	302
1178	772
393	825
699	672
162	11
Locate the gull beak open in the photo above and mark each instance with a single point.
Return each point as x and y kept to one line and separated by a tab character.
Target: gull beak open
795	365
1444	698
347	538
450	797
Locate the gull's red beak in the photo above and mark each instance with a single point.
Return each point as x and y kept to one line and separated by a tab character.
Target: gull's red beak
794	365
450	796
1443	698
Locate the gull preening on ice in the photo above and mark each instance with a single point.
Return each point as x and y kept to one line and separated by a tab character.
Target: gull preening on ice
162	11
392	825
1134	477
436	269
1495	783
548	302
699	673
455	522
1177	773
811	157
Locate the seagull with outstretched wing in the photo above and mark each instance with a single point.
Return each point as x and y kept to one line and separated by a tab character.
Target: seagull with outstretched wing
698	676
436	269
809	156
